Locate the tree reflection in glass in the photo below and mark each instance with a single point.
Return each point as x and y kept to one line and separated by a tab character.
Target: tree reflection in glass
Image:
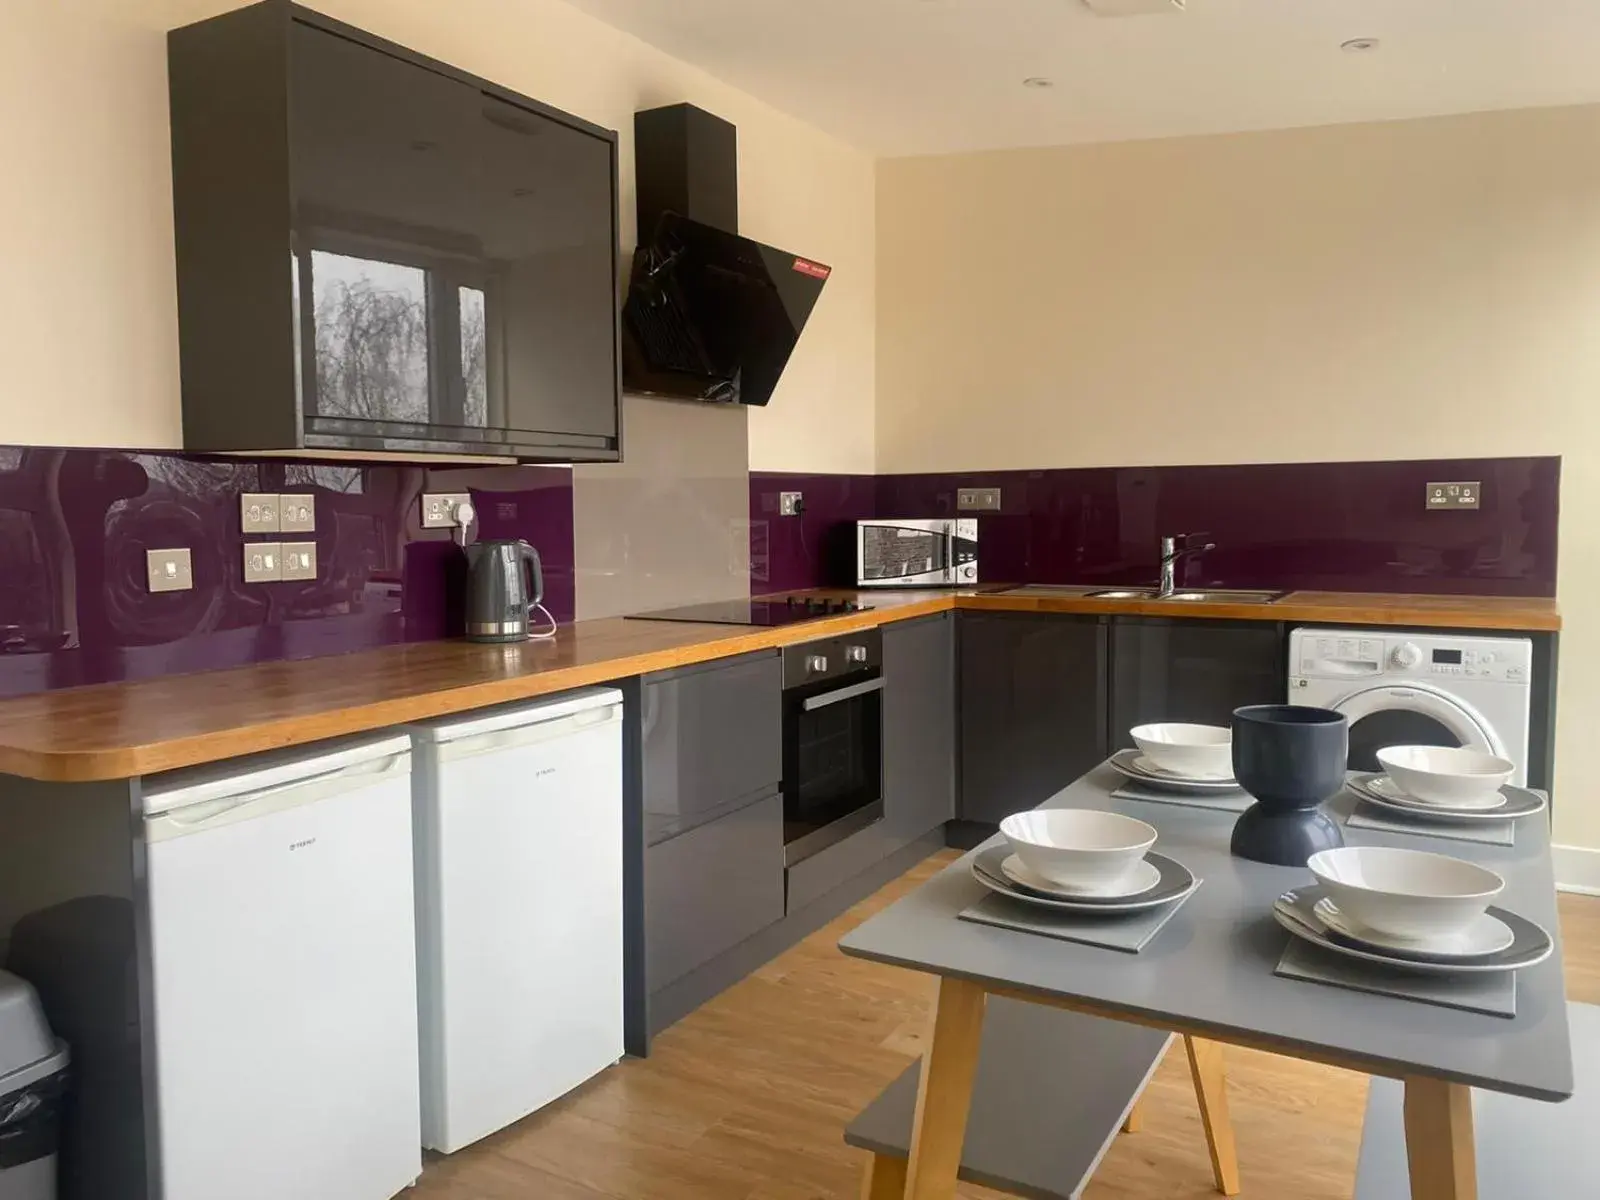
371	322
474	357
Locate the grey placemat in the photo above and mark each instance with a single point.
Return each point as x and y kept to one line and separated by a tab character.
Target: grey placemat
1228	802
1489	833
1128	932
1495	995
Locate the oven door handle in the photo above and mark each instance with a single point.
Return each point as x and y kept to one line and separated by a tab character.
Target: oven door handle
864	688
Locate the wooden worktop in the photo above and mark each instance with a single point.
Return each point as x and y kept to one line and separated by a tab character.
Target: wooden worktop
1493	613
122	730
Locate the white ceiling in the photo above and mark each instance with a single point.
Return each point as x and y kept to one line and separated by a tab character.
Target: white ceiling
900	77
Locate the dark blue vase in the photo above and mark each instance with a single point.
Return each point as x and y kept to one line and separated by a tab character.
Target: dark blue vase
1291	758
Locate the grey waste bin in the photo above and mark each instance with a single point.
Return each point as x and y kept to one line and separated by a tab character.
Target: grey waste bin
33	1082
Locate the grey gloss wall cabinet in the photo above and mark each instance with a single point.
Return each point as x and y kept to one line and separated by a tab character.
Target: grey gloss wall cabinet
1032	707
919	727
377	252
713	816
1166	669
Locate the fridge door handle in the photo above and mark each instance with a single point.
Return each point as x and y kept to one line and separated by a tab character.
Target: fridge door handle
531	733
184	818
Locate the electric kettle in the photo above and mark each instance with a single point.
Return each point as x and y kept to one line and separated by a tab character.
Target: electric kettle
504	582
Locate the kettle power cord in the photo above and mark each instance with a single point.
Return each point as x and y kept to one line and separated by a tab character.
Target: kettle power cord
544	635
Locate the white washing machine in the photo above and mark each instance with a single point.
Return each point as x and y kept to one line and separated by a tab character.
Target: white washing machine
1418	689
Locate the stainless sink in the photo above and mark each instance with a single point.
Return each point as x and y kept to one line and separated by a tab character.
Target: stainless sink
1192	595
1227	596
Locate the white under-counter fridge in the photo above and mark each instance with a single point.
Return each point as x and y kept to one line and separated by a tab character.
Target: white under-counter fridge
519	908
283	954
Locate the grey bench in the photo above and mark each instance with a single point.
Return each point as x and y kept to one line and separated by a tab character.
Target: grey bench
1052	1090
1526	1149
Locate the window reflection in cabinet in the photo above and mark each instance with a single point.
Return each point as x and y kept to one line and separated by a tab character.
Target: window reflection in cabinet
400	338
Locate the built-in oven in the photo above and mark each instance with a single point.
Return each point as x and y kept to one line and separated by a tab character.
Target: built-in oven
832	741
941	552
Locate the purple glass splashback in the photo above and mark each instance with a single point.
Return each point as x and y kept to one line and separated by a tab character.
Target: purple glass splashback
75	525
1335	526
816	548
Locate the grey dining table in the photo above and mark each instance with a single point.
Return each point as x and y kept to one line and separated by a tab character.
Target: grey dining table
1209	975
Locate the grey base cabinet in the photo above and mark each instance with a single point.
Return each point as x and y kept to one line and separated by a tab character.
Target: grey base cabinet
711	743
919	728
1165	669
713	740
1032	705
707	890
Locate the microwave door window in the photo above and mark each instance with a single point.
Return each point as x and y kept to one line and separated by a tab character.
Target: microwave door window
900	552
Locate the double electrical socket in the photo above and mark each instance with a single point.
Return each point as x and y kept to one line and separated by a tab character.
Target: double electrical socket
270	562
269	512
1460	494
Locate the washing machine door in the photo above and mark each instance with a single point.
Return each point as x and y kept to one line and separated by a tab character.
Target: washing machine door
1411	715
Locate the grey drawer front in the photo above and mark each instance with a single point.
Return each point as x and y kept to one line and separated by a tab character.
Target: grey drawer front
712	737
707	890
827	869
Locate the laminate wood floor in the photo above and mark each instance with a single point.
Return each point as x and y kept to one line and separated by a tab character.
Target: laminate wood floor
746	1099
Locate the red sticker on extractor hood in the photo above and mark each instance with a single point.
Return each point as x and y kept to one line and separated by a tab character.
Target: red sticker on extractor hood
815	270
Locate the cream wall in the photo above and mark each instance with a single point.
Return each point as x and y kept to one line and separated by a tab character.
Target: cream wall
1403	290
87	295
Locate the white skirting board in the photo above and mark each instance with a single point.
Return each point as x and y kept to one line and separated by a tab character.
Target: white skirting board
1577	869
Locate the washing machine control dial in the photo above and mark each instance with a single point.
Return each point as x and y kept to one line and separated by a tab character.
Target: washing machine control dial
1406	655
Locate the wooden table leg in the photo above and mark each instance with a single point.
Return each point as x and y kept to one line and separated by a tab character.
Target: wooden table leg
1439	1147
1135	1118
884	1179
1211	1089
944	1093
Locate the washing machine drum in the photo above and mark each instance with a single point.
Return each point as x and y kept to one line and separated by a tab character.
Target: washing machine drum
1411	715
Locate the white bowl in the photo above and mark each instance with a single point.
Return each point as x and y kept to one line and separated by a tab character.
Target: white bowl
1408	894
1446	775
1198	751
1079	847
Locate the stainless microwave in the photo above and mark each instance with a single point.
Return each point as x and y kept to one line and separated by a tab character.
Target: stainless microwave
912	553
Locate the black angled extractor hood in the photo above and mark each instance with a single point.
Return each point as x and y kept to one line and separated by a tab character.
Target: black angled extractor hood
710	315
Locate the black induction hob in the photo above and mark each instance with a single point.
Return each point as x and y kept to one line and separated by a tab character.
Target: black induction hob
784	611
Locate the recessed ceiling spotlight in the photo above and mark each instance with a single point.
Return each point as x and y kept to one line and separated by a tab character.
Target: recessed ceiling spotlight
1359	45
1038	81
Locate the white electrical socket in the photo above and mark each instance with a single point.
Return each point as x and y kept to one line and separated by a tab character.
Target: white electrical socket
297	513
439	509
263	562
299	560
258	512
169	570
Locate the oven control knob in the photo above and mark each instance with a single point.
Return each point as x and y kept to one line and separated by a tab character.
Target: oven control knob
855	654
1406	655
816	663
